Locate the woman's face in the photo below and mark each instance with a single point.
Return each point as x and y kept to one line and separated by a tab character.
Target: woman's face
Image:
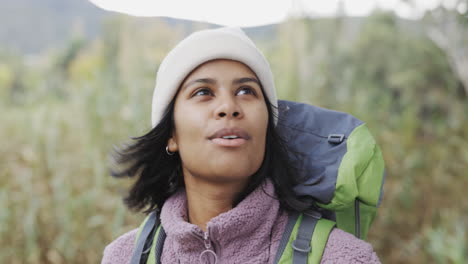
221	122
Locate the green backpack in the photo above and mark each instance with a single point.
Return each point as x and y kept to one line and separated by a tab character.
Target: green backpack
345	174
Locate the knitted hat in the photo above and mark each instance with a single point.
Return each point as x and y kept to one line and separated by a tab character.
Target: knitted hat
202	46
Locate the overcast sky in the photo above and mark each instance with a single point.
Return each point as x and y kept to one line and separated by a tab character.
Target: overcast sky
247	13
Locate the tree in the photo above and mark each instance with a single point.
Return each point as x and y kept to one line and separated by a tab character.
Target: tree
448	29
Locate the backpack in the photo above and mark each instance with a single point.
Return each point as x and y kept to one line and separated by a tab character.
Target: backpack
345	174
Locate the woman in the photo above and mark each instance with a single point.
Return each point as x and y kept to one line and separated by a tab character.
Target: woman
214	163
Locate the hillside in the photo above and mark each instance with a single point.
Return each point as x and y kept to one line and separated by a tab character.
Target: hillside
31	26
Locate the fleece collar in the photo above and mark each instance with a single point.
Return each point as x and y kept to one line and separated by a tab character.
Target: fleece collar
240	235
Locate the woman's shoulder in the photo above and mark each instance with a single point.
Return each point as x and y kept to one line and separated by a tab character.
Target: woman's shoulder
343	247
120	250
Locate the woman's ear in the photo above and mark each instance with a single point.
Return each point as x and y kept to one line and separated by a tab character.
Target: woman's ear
172	145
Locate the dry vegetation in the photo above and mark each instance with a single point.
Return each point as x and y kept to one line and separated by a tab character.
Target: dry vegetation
62	114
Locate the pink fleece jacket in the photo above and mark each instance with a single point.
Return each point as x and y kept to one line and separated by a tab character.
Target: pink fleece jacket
248	233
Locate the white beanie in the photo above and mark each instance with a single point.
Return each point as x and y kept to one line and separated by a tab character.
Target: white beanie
202	46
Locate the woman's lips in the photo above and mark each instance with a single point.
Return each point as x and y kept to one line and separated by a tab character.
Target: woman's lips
230	137
233	131
236	142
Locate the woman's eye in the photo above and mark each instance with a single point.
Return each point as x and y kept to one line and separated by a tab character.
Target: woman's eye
246	90
202	91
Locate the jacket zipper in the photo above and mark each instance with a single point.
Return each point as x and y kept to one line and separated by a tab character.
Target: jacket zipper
206	240
209	251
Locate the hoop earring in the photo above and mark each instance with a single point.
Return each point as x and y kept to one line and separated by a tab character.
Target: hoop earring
168	152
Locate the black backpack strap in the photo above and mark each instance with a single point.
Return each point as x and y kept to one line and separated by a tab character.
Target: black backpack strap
159	245
143	244
302	244
292	218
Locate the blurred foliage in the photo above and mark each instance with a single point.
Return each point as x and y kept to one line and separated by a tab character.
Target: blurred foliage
63	111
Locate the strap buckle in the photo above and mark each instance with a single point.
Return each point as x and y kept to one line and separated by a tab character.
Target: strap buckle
301	245
336	138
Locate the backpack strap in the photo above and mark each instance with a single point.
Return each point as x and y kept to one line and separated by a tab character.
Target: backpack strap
144	238
306	240
284	242
157	247
319	239
302	244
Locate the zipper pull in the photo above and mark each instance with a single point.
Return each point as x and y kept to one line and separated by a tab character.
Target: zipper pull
209	254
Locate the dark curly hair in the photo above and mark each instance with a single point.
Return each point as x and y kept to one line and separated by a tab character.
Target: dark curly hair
160	175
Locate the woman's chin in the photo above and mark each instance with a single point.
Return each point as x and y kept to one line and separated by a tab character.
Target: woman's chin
228	175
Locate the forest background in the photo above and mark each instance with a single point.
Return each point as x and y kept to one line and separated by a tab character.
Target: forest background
76	81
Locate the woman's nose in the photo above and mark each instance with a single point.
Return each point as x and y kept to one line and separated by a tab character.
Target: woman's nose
235	114
228	108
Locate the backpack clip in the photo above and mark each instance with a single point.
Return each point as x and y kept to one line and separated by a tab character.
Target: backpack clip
303	247
336	138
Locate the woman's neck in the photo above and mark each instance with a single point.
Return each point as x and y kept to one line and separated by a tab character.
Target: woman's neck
207	200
